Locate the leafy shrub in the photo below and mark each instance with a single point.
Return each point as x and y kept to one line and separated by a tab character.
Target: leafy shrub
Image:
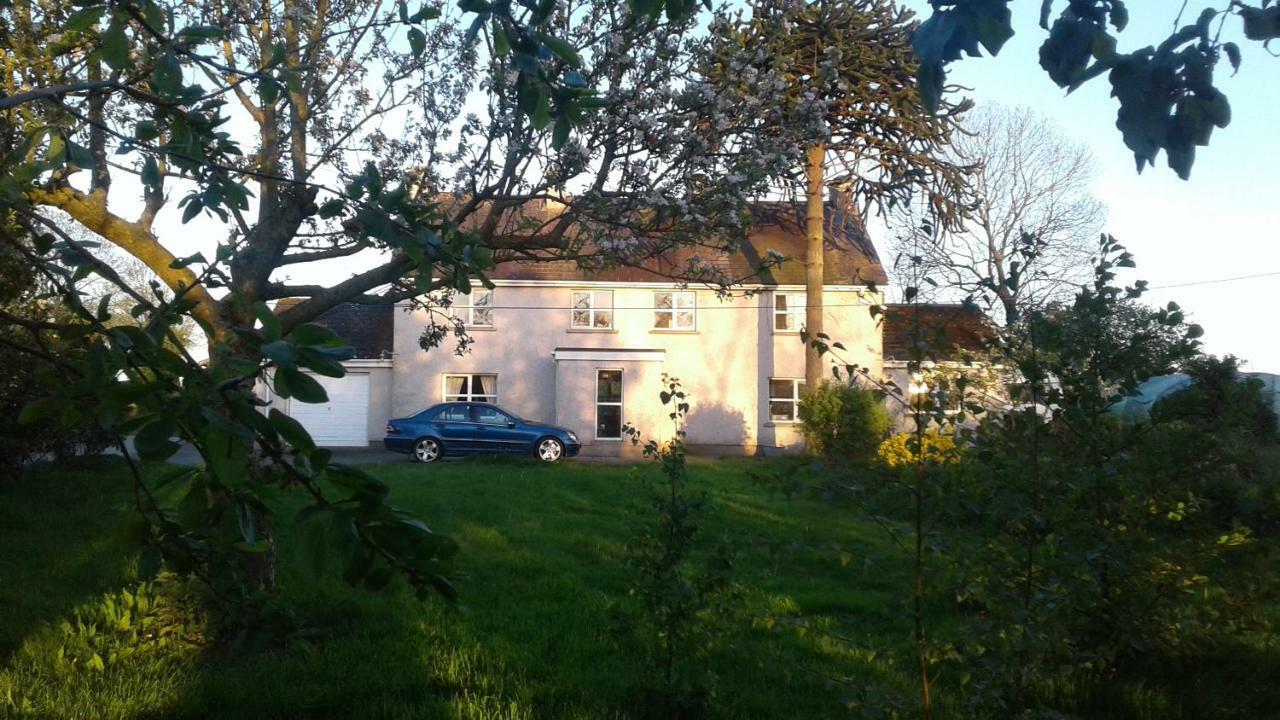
152	617
936	448
23	380
844	421
1221	398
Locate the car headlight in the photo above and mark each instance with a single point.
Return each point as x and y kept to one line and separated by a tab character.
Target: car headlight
572	437
392	429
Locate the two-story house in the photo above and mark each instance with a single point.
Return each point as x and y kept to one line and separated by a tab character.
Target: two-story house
588	351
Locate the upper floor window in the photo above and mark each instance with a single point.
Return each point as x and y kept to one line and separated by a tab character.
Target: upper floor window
474	388
592	310
788	312
476	309
673	310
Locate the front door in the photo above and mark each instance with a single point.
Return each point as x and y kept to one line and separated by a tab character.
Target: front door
608	404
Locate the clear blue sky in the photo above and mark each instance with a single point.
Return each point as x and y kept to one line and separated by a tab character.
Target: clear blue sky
1222	223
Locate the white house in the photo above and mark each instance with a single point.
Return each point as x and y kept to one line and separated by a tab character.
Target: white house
588	351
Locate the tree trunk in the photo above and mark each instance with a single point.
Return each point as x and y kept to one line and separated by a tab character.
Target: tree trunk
257	569
813	276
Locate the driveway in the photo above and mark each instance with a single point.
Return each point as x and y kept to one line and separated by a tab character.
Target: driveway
187	455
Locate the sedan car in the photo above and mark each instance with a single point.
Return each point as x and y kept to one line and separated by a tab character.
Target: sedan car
467	428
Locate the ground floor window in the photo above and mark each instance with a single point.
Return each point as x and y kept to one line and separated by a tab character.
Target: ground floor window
609	404
784	399
471	388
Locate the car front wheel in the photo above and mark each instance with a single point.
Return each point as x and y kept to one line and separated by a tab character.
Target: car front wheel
550	450
427	450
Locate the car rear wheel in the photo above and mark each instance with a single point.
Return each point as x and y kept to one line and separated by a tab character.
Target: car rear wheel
427	450
550	450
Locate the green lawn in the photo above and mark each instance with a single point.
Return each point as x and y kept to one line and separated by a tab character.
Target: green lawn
542	579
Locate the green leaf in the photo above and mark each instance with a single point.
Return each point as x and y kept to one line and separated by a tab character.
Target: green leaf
200	33
561	49
151	172
84	18
541	115
560	135
279	351
1233	56
501	44
153	441
332	208
40	409
291	382
312	334
192	209
146	130
79	156
291	430
268	91
167	76
417	41
115	46
270	323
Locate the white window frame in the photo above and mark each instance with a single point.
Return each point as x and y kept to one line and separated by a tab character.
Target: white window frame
469	307
593	309
797	387
675	309
795	315
468	396
598	403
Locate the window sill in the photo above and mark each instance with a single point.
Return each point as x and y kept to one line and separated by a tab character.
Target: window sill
591	330
600	439
786	332
479	328
783	423
665	331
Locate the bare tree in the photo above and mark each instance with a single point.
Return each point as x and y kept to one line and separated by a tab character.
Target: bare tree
1034	224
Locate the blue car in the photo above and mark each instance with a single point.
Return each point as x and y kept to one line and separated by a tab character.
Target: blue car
466	428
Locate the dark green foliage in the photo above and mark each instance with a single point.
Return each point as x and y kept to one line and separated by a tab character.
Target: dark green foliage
844	420
1105	549
1167	97
23	376
1219	399
683	605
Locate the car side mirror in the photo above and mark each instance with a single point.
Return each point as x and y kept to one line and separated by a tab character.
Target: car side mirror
511	423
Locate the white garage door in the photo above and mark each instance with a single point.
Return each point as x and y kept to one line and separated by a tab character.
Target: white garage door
344	420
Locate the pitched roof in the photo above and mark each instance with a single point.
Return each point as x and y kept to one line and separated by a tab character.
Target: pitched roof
939	331
367	328
777	228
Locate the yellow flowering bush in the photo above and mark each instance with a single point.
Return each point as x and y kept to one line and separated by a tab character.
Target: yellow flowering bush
938	448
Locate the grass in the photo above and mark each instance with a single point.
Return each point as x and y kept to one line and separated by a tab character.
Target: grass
541	635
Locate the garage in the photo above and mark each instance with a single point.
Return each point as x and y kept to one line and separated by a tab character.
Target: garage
343	421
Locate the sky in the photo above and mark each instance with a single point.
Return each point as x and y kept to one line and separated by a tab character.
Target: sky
1222	223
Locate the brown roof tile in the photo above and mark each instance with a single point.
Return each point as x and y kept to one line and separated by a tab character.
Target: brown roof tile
778	228
937	331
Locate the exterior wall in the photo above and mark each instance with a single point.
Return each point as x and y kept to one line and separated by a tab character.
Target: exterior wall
380	379
724	365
